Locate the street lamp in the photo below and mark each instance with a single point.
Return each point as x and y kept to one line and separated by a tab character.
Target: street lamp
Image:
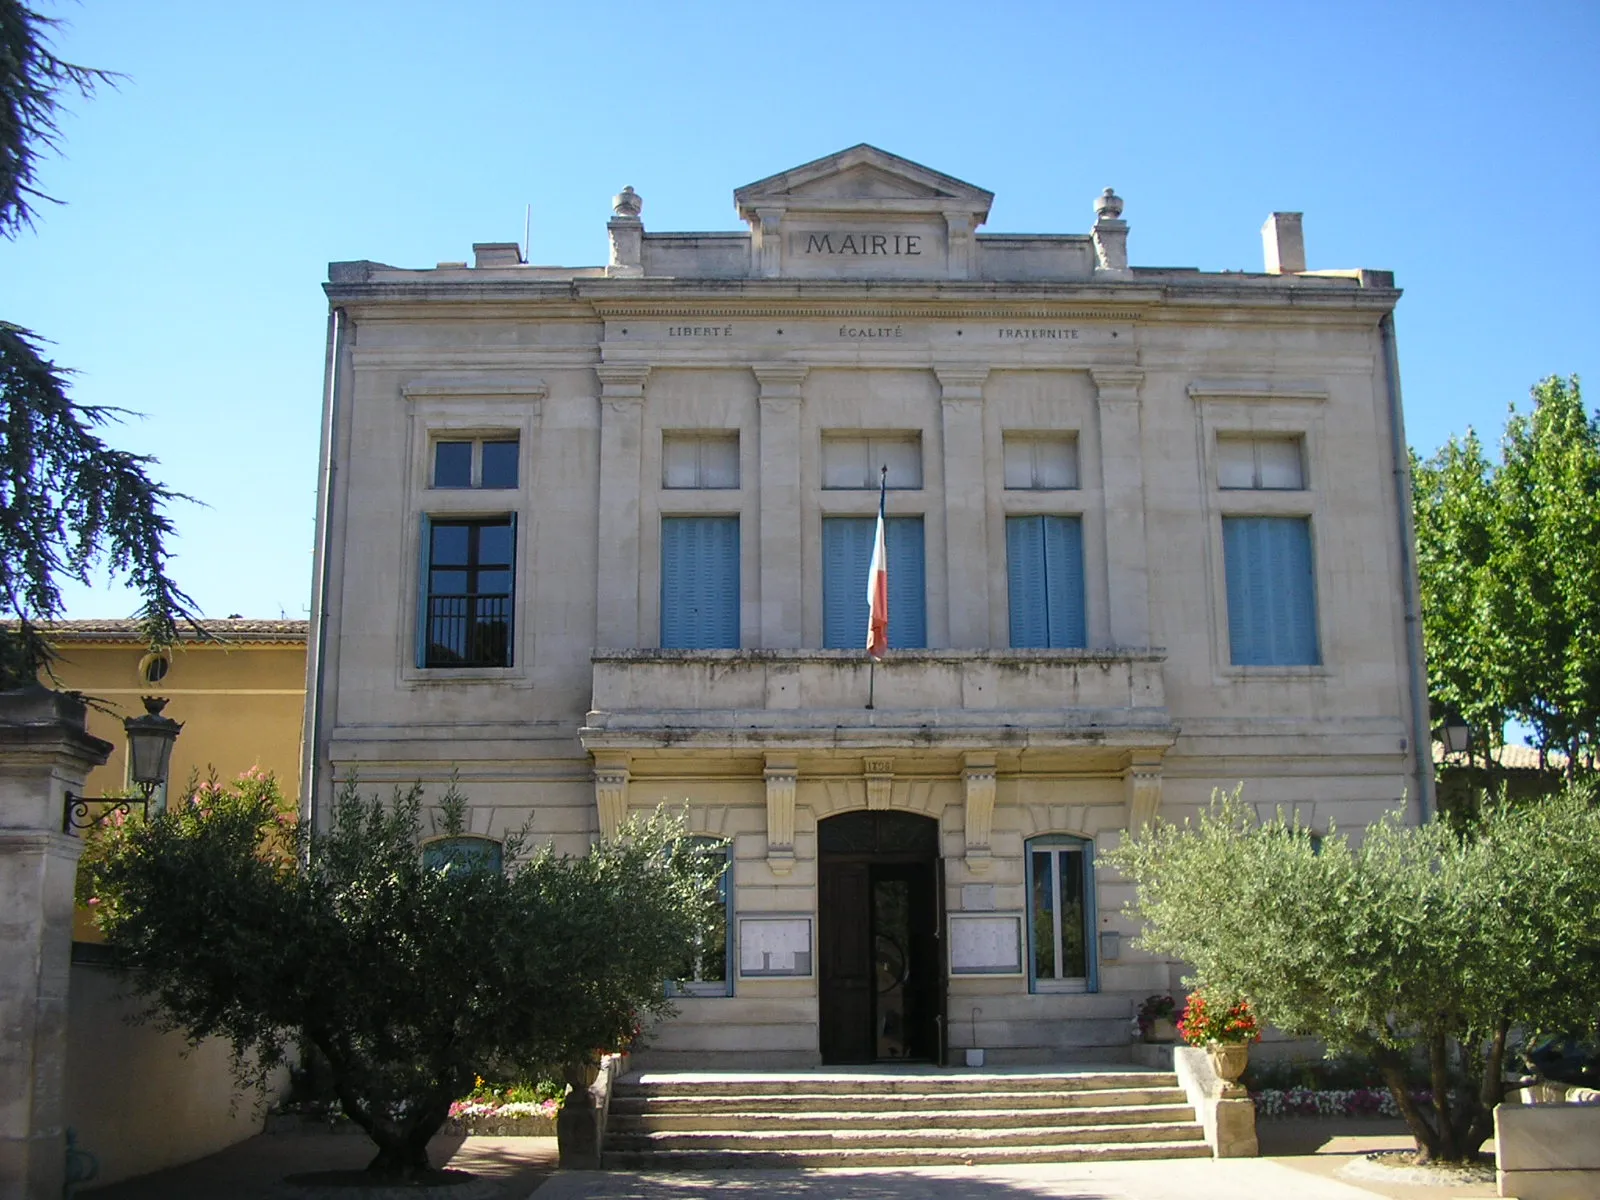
1455	732
150	739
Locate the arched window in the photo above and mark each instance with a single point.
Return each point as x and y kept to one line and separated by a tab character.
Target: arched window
462	852
1061	945
707	965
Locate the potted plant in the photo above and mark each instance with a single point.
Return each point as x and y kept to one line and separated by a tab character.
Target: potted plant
1156	1019
1226	1031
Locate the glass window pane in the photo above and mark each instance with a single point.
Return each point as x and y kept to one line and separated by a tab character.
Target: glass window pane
448	583
1044	918
844	463
1236	464
494	583
452	464
680	462
494	545
450	545
903	457
1055	463
500	464
1279	460
1074	957
1018	462
719	462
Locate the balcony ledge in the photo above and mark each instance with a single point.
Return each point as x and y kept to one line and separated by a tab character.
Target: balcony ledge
816	699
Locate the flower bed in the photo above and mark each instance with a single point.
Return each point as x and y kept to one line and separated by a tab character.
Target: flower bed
517	1118
1327	1102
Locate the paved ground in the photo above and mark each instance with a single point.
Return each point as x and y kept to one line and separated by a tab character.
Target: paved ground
1302	1163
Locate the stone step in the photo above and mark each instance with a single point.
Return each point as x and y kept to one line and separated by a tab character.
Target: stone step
874	1119
721	1141
686	1084
639	1103
923	1157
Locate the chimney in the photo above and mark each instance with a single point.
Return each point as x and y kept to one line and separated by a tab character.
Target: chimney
496	254
1285	244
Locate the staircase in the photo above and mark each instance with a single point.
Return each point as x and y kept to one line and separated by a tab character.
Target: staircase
893	1118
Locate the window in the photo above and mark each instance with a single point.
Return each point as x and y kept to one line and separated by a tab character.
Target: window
700	583
1272	601
1061	914
153	667
690	460
856	462
466	619
462	853
489	462
707	967
846	556
1044	566
1037	463
1260	463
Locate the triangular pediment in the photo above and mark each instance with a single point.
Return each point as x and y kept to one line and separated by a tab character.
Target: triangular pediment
861	179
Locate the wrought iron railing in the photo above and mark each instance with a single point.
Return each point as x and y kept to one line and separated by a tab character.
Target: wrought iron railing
468	631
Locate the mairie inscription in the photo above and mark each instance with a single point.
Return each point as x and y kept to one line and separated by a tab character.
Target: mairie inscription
860	245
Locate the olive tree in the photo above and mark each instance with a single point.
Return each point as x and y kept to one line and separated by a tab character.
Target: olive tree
409	976
1413	945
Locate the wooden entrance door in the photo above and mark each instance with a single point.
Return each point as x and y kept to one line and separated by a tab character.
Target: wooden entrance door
881	969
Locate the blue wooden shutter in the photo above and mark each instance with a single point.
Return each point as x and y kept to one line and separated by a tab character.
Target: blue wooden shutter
846	556
908	603
1044	567
1272	604
1063	564
700	583
846	559
1026	582
424	577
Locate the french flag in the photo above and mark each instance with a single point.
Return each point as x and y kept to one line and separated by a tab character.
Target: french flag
878	584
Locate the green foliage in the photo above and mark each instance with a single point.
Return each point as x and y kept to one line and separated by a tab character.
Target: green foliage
1414	942
410	980
1508	557
68	501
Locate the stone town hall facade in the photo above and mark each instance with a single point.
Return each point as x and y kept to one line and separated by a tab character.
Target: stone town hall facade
598	538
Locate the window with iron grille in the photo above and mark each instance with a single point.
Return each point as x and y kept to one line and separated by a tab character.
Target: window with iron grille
467	596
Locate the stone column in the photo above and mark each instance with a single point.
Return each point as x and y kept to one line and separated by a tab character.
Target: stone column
45	752
966	555
780	503
1122	469
621	443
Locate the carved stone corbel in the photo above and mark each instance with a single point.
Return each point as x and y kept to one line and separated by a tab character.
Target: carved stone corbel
611	791
781	777
979	778
1143	781
879	775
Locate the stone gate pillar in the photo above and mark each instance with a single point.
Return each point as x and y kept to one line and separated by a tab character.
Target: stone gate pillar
45	752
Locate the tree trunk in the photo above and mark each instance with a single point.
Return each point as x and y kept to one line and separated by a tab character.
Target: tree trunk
1491	1091
1392	1067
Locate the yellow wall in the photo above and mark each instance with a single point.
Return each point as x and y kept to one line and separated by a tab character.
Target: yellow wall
241	705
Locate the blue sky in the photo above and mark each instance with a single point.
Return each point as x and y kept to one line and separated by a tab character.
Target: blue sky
1457	144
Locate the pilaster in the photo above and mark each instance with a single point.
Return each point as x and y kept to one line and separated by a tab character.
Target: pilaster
611	775
978	777
780	399
766	244
621	445
965	524
45	752
960	228
781	777
1122	467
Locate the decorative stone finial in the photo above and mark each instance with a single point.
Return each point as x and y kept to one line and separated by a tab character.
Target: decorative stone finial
1107	206
627	203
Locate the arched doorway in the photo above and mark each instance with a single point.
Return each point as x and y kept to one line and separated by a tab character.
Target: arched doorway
881	978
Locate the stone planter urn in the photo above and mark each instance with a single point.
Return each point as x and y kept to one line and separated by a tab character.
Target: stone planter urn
1162	1029
1228	1060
